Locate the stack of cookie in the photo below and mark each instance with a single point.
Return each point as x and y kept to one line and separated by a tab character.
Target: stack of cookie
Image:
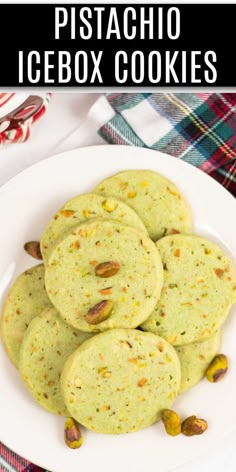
126	311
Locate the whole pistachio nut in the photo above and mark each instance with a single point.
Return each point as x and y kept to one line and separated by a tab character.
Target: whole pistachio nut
33	249
72	434
99	312
171	421
107	269
193	426
217	368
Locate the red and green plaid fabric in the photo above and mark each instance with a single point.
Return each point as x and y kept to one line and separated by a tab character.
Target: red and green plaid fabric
11	462
199	128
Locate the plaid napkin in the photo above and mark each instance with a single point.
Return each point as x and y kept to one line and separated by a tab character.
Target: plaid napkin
11	462
199	128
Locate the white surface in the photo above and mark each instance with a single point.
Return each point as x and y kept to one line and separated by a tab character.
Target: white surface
64	127
26	203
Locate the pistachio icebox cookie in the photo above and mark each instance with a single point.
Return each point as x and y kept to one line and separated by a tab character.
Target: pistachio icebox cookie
82	208
104	275
47	344
25	300
195	358
156	200
120	380
198	291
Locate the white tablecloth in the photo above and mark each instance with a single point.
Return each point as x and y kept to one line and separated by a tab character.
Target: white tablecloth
64	127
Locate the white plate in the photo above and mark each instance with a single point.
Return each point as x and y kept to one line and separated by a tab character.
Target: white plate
26	204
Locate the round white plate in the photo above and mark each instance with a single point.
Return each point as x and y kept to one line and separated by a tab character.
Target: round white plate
26	204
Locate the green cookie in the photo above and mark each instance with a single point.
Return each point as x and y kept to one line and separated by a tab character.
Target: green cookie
47	344
195	358
25	300
156	200
198	292
82	208
120	380
75	288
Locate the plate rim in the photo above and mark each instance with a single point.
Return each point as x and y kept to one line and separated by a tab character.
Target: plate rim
95	147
